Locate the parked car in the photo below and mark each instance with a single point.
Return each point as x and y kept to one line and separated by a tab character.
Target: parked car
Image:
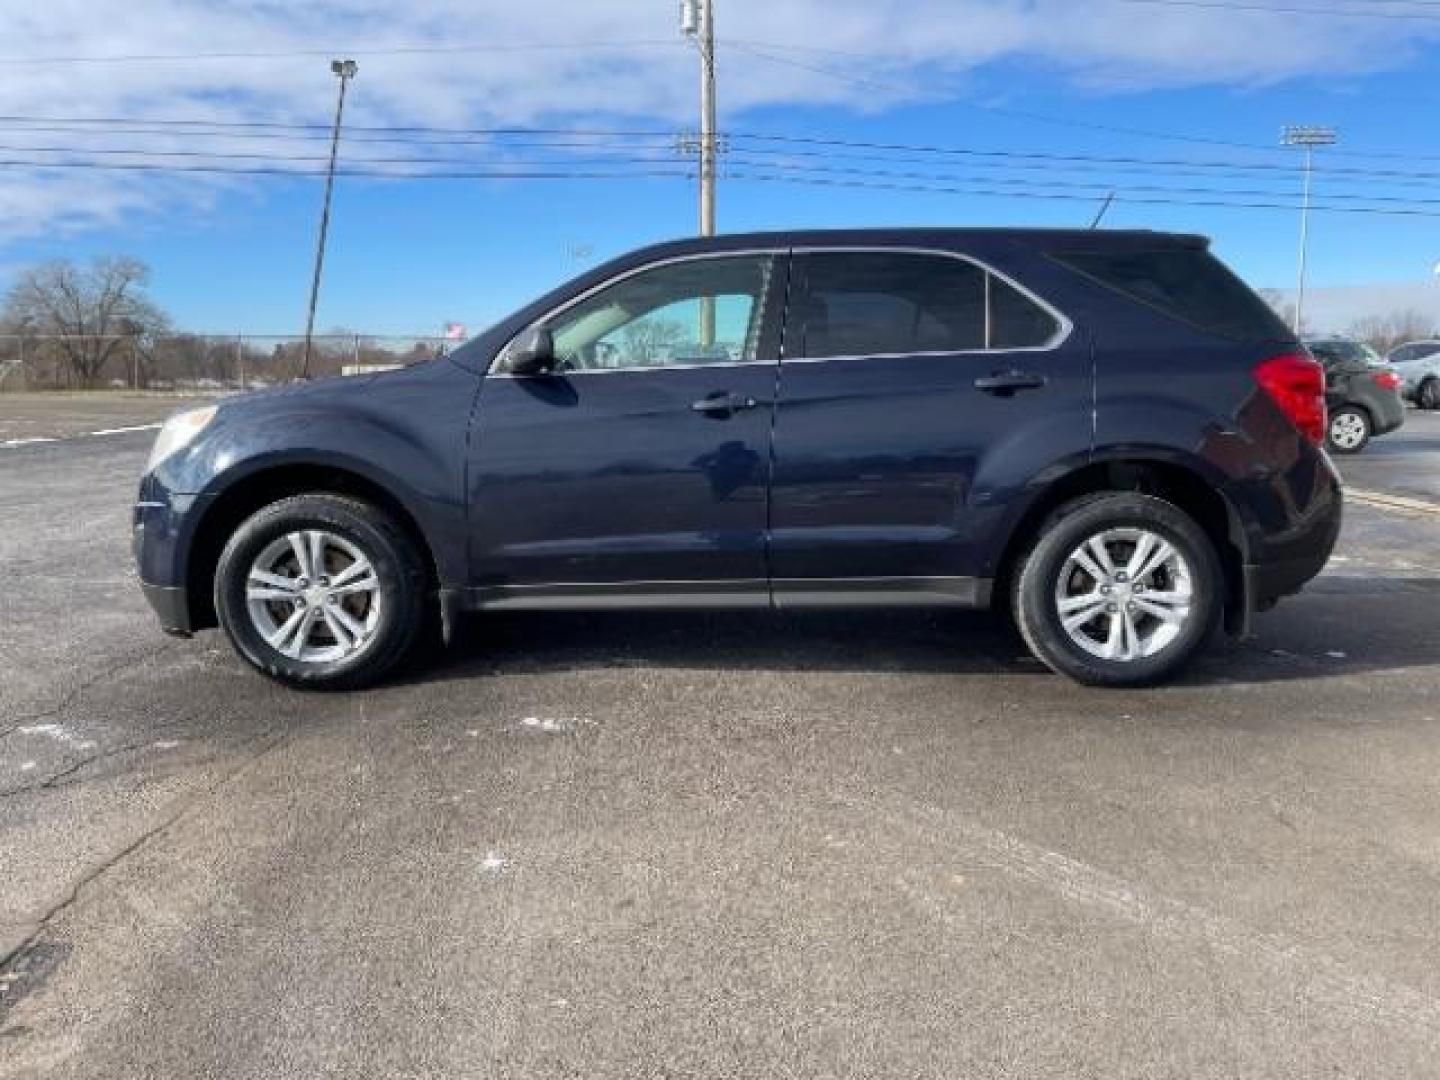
1361	391
1418	364
1106	433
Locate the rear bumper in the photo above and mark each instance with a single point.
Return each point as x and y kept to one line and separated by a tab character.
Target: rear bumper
1268	581
1388	413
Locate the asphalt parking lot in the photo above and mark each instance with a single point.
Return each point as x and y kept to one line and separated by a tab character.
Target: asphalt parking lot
719	846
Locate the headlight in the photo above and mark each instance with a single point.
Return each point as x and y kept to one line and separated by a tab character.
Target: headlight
177	432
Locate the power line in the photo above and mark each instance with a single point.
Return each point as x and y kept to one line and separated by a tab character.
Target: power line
1143	200
1017	189
885	153
256	129
288	54
743	157
1291	9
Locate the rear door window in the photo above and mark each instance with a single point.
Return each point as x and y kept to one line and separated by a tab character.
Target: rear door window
898	303
1186	283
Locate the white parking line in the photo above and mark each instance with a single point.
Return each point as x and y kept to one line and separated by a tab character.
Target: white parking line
11	444
122	430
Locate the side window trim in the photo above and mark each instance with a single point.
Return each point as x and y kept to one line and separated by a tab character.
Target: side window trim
1065	327
779	270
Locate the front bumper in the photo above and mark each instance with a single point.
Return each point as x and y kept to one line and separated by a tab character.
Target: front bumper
160	536
171	606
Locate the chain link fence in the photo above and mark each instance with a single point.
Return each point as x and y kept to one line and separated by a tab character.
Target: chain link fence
198	362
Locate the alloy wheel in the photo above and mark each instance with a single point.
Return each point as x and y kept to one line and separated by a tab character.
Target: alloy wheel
313	596
1124	594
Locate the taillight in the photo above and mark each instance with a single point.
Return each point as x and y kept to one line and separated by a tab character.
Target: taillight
1386	380
1297	385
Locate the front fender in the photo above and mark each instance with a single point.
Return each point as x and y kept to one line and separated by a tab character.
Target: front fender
414	452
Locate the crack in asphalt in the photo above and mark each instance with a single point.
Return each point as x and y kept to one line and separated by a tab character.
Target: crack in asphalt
75	692
54	780
97	871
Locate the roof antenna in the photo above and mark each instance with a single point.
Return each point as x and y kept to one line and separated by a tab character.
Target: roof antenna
1106	206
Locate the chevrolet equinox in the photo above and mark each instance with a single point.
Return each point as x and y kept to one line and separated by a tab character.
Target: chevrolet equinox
1105	434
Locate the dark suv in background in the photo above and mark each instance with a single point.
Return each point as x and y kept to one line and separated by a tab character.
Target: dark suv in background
1106	433
1361	390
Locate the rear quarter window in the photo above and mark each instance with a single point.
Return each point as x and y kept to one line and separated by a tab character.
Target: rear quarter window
1187	284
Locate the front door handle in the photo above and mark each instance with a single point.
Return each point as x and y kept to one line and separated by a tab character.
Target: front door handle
724	403
1005	383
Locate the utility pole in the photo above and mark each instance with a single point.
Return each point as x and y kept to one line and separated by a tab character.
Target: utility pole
697	22
345	70
1307	137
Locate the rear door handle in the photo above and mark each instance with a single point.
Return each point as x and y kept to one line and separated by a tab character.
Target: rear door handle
724	403
1005	383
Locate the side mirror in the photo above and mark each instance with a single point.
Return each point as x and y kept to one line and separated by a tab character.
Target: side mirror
533	352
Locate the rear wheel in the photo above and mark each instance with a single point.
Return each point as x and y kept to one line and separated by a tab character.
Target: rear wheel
1349	431
321	591
1122	589
1429	394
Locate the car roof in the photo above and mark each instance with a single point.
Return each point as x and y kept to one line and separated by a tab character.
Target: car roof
938	237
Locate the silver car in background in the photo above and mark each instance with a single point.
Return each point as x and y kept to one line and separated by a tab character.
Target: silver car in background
1418	365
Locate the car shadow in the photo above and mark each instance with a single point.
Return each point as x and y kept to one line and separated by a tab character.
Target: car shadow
1340	626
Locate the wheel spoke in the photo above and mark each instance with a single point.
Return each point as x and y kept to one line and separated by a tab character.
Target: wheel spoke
275	581
1131	648
317	553
1115	639
266	593
1101	554
1175	616
293	632
356	569
1081	559
352	626
300	546
1163	553
1143	548
1084	600
365	585
1081	616
342	635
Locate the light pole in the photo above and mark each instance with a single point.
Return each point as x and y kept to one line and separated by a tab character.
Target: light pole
1307	137
697	22
345	69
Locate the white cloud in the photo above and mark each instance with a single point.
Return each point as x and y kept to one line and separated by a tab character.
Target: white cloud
889	50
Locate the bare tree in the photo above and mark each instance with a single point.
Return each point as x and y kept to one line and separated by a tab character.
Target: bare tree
90	310
1384	332
1283	308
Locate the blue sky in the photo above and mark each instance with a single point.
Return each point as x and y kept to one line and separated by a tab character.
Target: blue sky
233	254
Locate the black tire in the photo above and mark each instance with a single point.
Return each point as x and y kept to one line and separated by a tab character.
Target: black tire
1428	396
397	564
1359	424
1034	586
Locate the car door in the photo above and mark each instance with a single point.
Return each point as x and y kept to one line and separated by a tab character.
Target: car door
638	470
916	389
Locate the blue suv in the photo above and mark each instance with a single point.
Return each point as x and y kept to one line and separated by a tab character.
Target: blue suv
1105	434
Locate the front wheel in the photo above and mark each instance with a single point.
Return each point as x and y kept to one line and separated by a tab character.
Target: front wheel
321	591
1121	589
1349	430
